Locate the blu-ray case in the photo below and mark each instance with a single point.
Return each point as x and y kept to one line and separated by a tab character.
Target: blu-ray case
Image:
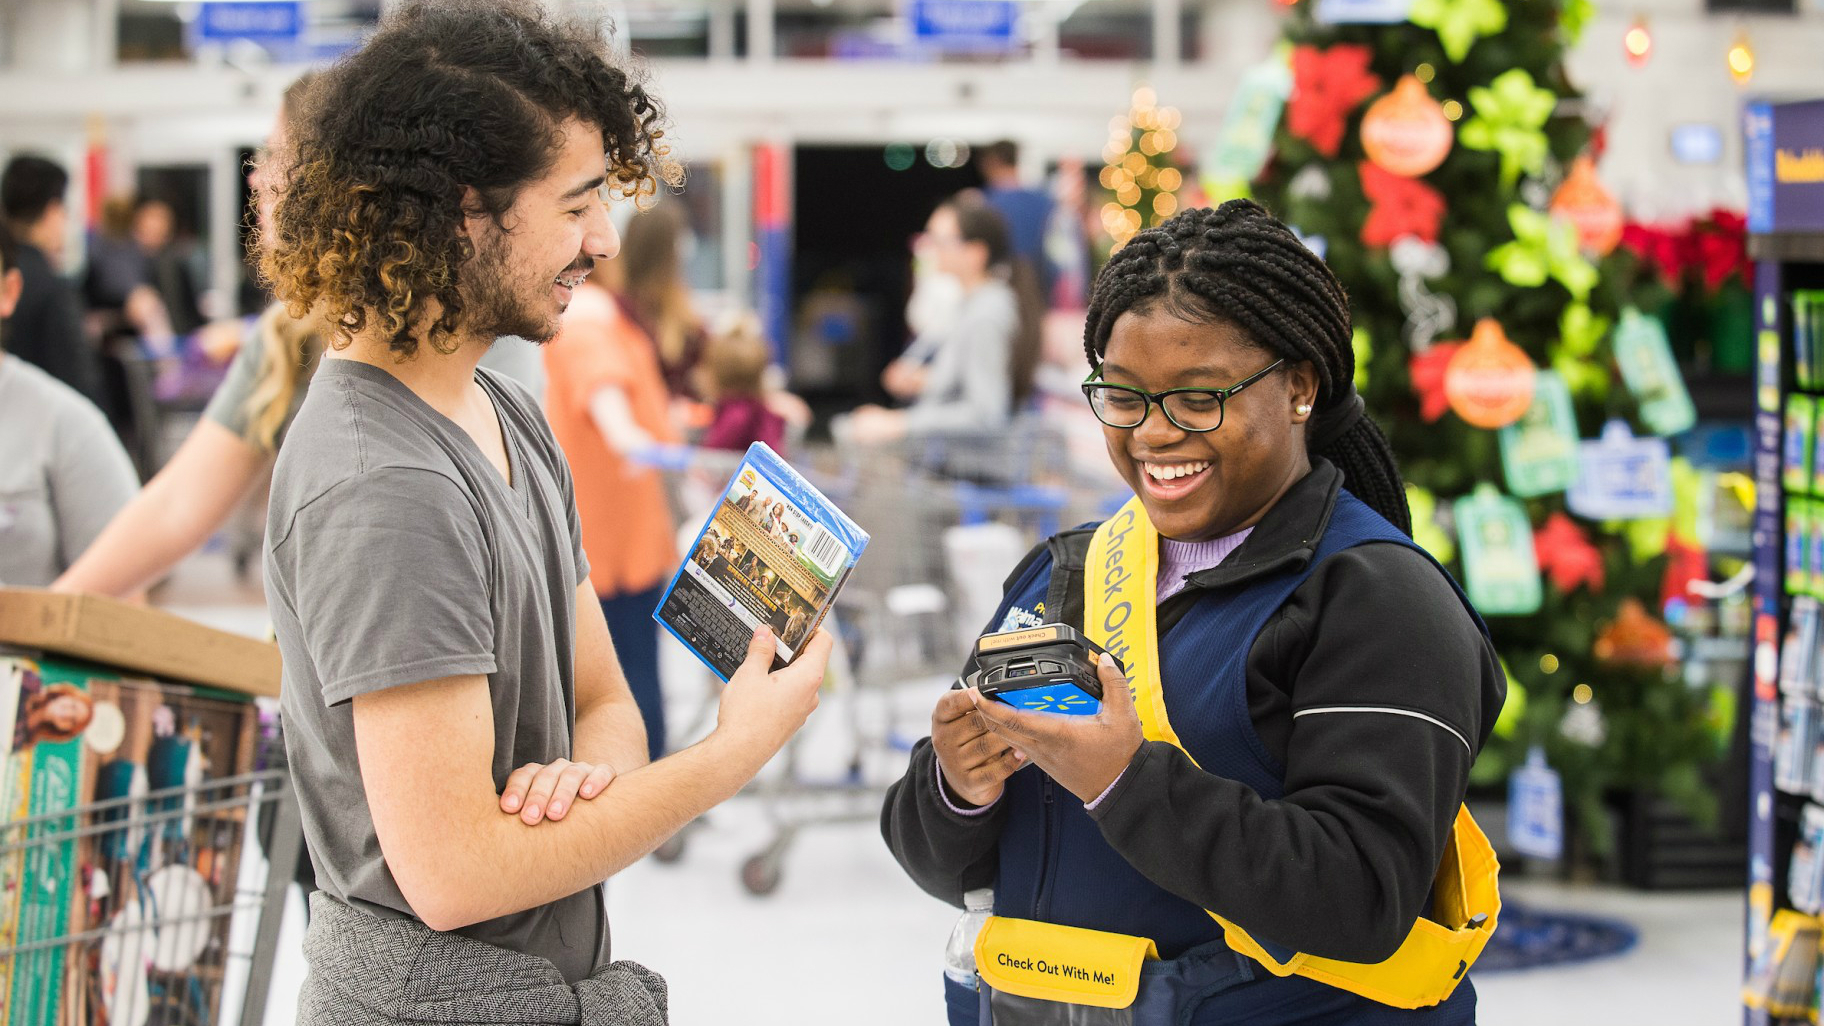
775	551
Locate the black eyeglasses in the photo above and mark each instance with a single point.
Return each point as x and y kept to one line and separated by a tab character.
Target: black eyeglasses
1196	410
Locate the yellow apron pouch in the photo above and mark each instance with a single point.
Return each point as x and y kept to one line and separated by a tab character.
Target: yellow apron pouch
1061	963
1119	592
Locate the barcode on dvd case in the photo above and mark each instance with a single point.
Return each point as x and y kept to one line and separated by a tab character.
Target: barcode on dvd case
825	549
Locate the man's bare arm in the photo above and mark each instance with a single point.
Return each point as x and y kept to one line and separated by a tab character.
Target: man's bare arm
426	752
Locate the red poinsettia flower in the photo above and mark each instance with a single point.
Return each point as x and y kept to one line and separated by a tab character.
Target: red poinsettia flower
1427	371
1684	565
1566	555
1721	248
1400	206
1326	86
1659	248
1713	246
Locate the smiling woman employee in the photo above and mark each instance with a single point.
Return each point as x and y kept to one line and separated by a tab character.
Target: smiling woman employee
1274	809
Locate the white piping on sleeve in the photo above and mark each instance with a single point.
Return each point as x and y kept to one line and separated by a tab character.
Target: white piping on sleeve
1390	711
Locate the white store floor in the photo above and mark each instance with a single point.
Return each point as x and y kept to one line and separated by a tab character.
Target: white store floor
846	938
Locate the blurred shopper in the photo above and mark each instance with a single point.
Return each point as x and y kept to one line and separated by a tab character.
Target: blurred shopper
116	285
1027	210
979	371
62	471
46	326
229	453
230	449
607	401
656	295
168	269
734	380
450	685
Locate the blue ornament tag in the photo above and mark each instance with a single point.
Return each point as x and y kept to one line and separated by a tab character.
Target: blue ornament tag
1621	477
1535	809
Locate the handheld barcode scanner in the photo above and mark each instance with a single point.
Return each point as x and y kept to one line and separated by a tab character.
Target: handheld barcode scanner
1051	668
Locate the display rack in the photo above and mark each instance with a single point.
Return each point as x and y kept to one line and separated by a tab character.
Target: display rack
1785	165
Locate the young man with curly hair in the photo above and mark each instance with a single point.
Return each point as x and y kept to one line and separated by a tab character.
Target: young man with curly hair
467	756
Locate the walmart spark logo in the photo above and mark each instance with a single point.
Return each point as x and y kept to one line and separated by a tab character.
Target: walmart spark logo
1065	699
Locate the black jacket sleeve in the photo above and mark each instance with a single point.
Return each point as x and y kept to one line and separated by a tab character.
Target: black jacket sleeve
1389	688
944	852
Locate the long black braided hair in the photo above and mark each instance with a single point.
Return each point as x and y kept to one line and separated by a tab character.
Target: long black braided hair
1236	263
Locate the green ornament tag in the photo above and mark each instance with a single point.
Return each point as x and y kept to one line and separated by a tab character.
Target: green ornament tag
1246	140
1652	374
1539	451
1500	570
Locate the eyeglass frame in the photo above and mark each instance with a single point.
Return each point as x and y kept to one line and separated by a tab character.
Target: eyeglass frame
1222	396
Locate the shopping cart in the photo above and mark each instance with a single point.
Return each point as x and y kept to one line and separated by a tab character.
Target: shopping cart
948	516
695	479
166	918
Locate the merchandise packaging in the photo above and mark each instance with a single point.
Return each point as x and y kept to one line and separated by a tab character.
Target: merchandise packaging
775	552
81	734
137	638
1798	553
1802	342
1804	887
1783	975
1817	763
1817	448
1814	546
1799	442
1794	744
44	776
1799	649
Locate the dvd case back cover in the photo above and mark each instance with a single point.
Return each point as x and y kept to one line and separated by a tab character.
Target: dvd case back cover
775	551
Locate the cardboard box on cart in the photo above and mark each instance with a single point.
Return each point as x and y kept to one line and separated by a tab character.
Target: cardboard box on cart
103	699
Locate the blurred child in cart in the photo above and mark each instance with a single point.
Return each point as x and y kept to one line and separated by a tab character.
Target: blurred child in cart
733	378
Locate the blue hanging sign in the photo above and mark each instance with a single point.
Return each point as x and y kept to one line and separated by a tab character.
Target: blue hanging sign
971	25
264	21
1362	12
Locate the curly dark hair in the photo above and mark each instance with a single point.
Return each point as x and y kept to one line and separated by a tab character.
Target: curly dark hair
448	94
1239	265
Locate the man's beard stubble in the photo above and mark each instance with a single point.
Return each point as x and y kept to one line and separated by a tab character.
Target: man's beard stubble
491	308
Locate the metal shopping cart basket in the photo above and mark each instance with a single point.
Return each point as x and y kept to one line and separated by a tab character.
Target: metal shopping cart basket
147	909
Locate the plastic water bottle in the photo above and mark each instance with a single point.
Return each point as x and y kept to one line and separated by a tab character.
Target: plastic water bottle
959	954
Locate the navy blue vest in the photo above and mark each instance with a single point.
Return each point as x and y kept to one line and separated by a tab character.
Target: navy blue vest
1055	866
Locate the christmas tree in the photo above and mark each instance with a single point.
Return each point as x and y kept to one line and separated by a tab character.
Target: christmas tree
1443	166
1138	170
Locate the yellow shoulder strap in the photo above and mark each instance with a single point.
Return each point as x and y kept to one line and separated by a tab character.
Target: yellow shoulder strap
1120	586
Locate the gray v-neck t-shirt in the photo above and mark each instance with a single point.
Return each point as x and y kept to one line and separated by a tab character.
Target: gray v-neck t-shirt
397	553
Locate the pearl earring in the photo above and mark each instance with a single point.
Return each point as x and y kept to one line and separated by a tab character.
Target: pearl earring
1302	409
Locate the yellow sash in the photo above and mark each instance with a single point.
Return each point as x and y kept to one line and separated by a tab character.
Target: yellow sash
1120	585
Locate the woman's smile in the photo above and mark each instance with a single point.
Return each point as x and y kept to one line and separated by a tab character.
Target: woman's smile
1170	481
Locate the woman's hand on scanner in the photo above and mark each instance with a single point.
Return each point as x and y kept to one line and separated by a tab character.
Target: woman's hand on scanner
975	761
1086	754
